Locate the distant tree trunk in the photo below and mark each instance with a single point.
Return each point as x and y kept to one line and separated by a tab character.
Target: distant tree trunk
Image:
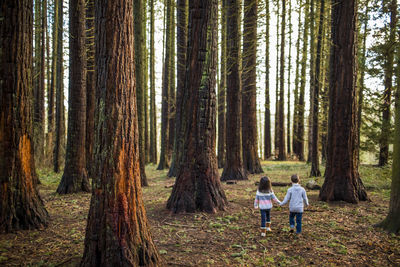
317	83
296	85
312	79
59	143
117	232
387	94
197	186
267	122
140	47
342	180
362	69
222	92
276	122
281	123
233	169
21	205
90	87
301	105
182	24
153	111
165	98
38	89
146	86
172	87
289	142
75	177
251	161
392	222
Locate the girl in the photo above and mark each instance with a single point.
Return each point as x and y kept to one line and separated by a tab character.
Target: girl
264	198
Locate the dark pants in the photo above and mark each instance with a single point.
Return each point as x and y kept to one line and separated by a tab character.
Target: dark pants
265	217
298	216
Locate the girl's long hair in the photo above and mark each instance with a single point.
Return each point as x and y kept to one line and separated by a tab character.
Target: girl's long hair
265	185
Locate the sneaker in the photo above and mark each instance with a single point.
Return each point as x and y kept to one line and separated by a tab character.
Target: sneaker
292	230
268	229
263	234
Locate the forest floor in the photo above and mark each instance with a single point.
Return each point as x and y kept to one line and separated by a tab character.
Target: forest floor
334	234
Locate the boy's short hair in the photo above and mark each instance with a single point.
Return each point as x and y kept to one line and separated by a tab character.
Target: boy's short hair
295	178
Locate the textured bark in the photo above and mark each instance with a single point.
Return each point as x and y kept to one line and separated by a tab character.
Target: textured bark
281	109
59	142
387	94
117	232
197	187
392	221
153	113
233	169
267	122
251	162
301	105
146	87
172	87
325	81
75	177
276	120
165	97
21	205
140	47
296	85
317	84
342	180
289	140
181	27
90	86
222	92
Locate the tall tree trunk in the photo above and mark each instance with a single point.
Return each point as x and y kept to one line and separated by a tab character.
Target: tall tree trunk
296	85
197	186
140	47
289	141
233	169
317	84
146	86
276	122
182	24
153	111
222	92
387	94
312	79
392	222
281	124
165	98
117	232
267	122
59	143
251	162
300	127
342	180
172	87
90	87
75	177
21	205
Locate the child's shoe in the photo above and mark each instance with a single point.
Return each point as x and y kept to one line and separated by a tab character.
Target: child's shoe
291	229
263	232
268	227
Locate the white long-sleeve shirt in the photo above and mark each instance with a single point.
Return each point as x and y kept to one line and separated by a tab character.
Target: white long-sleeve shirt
296	196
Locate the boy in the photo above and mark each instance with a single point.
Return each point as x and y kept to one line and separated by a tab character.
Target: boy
296	195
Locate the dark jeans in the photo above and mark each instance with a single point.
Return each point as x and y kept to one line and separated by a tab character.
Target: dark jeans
265	217
299	216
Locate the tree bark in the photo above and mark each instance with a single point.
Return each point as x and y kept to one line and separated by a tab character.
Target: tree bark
251	162
117	232
276	121
21	205
288	134
197	186
342	180
75	177
59	143
387	94
182	24
140	47
172	87
315	172
296	86
153	112
233	169
267	122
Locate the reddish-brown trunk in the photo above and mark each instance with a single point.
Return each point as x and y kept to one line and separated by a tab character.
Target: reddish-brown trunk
21	205
267	122
197	186
342	180
117	232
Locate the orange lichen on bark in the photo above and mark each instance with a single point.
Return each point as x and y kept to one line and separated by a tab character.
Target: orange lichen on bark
25	155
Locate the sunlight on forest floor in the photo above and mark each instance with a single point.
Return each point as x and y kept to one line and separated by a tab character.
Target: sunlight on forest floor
333	234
